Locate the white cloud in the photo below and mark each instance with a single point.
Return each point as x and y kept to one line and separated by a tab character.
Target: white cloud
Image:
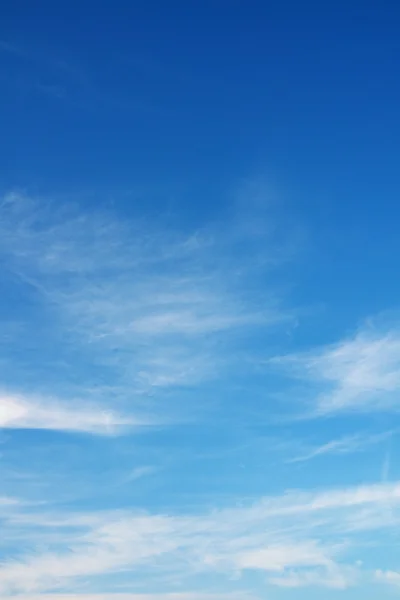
138	473
188	323
361	373
278	558
345	445
18	412
389	577
7	501
301	538
334	577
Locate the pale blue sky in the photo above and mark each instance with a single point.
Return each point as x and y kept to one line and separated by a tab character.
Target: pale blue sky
199	317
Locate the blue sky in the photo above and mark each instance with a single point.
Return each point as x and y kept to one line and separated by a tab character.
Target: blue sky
199	317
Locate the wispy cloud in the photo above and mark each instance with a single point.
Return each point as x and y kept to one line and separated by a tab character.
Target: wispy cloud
152	308
335	577
18	412
138	473
361	373
345	445
301	538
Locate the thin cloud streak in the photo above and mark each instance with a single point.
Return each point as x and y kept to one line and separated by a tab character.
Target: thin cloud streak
335	577
345	445
35	413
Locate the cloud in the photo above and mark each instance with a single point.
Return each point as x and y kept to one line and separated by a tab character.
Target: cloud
127	310
345	445
389	577
138	473
361	373
35	413
187	322
300	538
278	558
335	577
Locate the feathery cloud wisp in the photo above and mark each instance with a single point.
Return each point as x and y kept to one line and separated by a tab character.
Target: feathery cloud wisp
359	374
143	308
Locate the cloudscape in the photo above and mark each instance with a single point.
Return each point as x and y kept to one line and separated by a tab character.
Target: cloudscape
199	316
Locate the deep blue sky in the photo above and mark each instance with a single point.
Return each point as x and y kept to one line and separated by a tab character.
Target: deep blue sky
193	91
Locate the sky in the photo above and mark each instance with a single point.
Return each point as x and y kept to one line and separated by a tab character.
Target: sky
200	300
